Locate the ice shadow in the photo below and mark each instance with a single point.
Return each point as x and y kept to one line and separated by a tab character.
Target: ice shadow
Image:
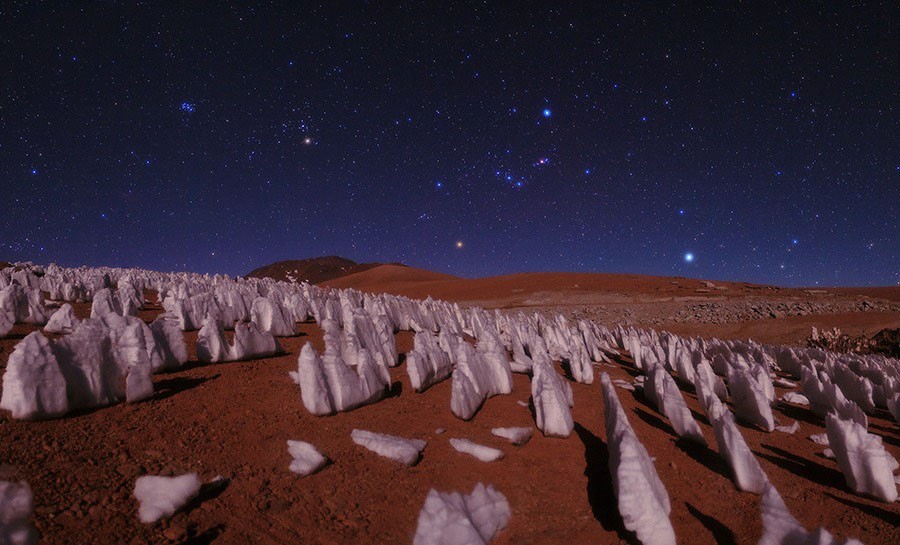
802	467
799	413
167	388
208	491
654	421
889	439
706	456
395	390
206	537
891	518
720	532
600	492
700	453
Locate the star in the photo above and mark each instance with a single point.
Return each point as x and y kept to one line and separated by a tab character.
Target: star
459	244
188	107
689	257
546	112
307	141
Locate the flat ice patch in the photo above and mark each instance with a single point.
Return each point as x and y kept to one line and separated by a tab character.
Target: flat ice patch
623	384
516	436
795	398
160	497
405	451
482	452
790	428
306	458
784	383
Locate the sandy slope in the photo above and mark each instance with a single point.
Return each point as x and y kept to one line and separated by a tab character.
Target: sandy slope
233	420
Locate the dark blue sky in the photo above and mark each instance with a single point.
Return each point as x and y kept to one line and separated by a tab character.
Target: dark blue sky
763	142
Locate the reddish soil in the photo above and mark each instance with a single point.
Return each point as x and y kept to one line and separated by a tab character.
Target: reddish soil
234	420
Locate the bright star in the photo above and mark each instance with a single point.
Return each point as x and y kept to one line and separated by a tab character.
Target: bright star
546	112
459	244
439	185
307	141
689	257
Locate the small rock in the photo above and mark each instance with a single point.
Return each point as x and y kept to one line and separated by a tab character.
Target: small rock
174	533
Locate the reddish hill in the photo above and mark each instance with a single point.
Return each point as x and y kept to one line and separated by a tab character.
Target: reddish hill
313	270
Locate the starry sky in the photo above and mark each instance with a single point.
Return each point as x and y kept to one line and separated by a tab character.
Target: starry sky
731	142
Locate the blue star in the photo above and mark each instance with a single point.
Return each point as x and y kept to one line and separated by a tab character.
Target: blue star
681	212
587	171
689	257
439	185
34	172
546	112
188	107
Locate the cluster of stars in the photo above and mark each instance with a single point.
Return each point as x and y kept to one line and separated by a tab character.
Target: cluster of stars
616	146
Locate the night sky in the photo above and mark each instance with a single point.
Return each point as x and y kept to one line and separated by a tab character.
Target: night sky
733	143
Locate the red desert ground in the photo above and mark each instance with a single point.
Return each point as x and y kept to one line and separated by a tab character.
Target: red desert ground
326	401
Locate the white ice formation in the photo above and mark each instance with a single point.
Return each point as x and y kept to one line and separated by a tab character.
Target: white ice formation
642	498
306	458
160	497
867	467
781	528
328	385
451	518
62	321
15	510
552	398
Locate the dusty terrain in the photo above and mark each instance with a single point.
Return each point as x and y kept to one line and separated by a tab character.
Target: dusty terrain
233	420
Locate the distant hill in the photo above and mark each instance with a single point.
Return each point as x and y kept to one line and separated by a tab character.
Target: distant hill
313	270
